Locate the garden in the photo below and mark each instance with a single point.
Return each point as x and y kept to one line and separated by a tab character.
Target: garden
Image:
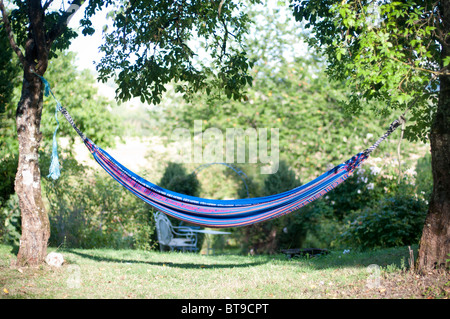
369	228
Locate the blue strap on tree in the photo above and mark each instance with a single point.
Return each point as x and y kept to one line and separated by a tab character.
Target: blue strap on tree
54	171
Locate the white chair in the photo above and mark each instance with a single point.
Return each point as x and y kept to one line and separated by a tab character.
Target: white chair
184	239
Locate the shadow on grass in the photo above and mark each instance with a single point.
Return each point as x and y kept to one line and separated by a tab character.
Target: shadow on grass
167	263
397	256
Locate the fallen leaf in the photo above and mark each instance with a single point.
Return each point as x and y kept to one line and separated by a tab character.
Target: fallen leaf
5	291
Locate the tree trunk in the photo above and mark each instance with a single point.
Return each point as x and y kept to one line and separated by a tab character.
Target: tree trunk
35	222
435	242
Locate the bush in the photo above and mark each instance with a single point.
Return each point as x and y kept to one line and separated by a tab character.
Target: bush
10	221
91	210
364	197
393	221
323	225
8	169
176	179
284	232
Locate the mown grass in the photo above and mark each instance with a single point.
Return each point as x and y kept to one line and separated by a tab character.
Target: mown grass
137	274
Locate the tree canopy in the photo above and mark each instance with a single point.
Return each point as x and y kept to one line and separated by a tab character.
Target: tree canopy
150	45
290	92
385	51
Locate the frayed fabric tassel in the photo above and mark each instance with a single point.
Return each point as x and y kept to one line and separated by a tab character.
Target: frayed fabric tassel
54	171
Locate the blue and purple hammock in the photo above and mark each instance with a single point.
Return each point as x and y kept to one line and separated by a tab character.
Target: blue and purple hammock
211	212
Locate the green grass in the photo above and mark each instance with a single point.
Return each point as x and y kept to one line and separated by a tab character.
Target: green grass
106	273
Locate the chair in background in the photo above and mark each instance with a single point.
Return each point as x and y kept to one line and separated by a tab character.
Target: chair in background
174	237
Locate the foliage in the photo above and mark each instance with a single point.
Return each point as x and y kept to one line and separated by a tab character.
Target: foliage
290	93
149	44
87	210
19	19
386	51
348	215
10	221
9	71
226	181
176	179
283	180
8	168
424	178
287	231
294	95
393	221
93	113
365	187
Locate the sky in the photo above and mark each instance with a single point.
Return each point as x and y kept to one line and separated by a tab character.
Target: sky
86	47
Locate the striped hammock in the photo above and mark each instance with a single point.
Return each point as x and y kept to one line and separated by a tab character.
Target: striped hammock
221	213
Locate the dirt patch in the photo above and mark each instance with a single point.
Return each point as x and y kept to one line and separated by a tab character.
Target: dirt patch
408	285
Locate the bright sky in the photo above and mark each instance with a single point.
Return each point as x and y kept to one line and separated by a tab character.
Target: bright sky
86	47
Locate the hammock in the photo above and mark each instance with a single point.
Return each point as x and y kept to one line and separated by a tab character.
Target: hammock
211	212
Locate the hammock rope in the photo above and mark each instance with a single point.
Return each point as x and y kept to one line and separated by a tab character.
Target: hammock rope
394	125
224	213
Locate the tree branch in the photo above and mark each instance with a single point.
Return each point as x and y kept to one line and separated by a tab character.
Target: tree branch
440	72
36	16
47	4
10	34
60	27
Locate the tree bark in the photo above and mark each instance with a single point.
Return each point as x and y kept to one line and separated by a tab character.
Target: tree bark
35	222
435	242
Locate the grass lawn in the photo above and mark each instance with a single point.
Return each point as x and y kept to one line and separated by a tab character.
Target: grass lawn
133	274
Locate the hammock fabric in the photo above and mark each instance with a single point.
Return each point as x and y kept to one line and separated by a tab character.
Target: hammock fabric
224	213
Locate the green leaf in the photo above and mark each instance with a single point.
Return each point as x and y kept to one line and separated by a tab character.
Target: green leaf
446	61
